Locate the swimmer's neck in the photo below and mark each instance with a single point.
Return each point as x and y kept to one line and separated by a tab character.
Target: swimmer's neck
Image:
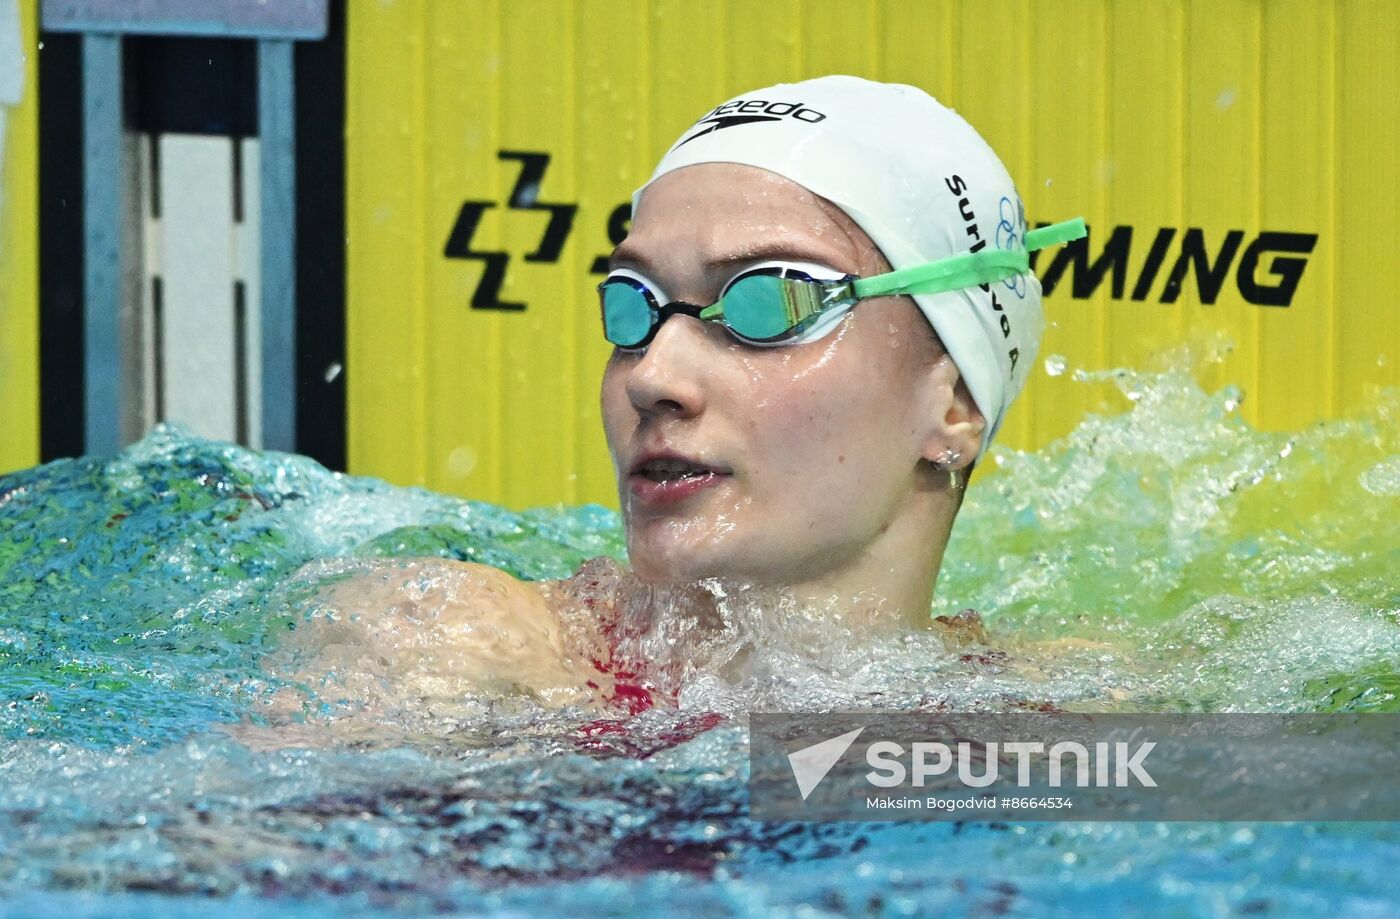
890	585
887	586
872	610
863	613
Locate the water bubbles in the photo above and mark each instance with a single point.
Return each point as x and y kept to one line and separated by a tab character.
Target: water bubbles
461	461
1159	555
526	195
1055	365
1231	398
1383	479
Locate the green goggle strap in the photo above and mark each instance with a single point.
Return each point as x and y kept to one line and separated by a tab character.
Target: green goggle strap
967	270
970	268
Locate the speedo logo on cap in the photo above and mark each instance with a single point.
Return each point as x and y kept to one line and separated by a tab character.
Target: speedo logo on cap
750	111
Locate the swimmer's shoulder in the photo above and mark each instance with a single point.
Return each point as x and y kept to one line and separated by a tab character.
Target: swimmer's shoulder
479	623
598	582
595	586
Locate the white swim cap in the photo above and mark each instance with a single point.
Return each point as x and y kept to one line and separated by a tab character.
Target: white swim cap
921	183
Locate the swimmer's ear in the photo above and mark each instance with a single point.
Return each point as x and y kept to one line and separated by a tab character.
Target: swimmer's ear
954	424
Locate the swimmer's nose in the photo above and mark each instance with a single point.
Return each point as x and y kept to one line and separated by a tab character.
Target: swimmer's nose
668	377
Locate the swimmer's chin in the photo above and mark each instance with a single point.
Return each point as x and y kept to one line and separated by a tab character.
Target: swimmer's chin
695	570
683	573
681	562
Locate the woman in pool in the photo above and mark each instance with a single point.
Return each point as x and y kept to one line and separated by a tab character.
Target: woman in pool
805	443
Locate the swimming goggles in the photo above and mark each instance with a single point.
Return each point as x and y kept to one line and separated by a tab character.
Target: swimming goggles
776	304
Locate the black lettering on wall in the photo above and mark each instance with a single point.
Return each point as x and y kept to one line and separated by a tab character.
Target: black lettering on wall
523	197
1087	275
1209	278
487	295
1289	271
619	222
1284	254
1087	271
1155	256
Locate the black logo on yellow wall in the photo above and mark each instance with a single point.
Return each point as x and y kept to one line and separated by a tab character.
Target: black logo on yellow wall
1266	268
1267	274
524	197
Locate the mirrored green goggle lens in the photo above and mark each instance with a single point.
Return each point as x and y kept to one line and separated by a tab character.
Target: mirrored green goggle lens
760	307
626	315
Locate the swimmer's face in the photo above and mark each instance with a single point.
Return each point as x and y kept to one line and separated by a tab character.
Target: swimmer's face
814	450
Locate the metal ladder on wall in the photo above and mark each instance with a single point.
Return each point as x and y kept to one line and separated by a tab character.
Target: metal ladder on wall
190	267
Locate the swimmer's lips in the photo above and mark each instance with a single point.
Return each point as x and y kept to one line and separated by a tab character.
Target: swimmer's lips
682	477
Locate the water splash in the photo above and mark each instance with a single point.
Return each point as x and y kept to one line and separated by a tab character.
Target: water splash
1168	557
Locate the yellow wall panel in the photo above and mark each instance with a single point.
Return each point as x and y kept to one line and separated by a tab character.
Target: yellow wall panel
614	134
1366	200
1070	54
1222	93
19	266
1296	182
1139	169
390	260
771	46
492	148
927	61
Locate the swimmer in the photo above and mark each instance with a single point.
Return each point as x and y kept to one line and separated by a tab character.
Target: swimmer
820	318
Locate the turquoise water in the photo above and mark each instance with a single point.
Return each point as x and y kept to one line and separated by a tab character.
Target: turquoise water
1162	557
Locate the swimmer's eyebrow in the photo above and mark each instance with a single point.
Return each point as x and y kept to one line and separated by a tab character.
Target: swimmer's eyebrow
622	257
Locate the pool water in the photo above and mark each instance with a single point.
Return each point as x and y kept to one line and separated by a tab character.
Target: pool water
1162	557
